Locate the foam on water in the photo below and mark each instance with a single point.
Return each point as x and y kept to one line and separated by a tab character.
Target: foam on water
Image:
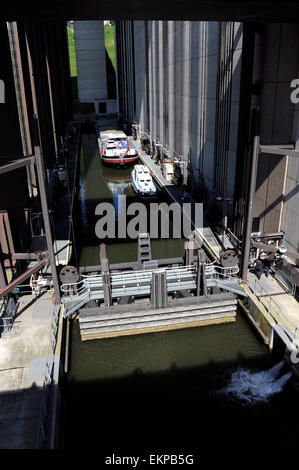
255	387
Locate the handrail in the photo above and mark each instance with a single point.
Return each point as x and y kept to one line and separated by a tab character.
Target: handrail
285	282
226	272
48	379
275	311
211	271
75	290
92	286
7	316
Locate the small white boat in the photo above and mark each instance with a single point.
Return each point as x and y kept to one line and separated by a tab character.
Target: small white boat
142	182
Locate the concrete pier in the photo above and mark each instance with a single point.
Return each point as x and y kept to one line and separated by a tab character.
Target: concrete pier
271	309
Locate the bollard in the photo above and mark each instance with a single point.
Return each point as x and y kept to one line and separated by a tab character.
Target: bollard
159	297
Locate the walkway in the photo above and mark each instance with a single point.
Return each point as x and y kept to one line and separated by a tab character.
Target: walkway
23	357
279	308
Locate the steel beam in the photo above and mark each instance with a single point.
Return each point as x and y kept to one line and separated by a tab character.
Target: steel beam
264	246
3	279
132	265
14	164
12	285
189	250
279	150
199	280
25	256
44	203
255	123
105	276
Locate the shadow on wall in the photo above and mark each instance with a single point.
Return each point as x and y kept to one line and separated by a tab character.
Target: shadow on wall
111	78
80	108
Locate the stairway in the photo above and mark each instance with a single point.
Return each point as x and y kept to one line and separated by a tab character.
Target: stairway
144	248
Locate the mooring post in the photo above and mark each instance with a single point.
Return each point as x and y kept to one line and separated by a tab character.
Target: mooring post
199	277
159	297
204	279
105	276
189	250
103	251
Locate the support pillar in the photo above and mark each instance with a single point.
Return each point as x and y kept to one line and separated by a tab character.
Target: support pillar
255	126
3	279
105	276
200	262
189	250
204	279
159	297
45	209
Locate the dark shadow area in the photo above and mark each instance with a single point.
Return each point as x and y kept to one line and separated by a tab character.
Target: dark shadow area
19	416
176	409
111	78
80	108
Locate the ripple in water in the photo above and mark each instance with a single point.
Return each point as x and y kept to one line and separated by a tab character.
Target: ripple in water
255	387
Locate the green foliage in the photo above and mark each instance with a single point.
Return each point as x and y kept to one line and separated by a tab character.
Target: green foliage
109	42
85	108
72	54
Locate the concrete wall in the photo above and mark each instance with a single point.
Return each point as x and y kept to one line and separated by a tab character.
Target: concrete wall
176	72
277	200
187	86
91	60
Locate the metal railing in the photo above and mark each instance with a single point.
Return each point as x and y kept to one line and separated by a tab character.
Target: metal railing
275	311
129	283
138	283
285	282
7	316
219	272
48	379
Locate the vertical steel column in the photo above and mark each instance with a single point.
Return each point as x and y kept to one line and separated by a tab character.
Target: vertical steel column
204	279
3	279
159	297
189	244
105	276
199	280
22	101
255	120
45	209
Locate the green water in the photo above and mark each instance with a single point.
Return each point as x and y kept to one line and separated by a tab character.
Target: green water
103	184
159	352
160	390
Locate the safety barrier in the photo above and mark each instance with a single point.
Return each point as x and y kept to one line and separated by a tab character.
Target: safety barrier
7	316
138	283
48	380
285	282
276	313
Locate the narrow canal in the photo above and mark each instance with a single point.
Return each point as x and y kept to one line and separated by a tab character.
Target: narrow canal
165	390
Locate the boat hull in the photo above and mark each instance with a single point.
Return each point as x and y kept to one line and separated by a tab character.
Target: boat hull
119	161
143	195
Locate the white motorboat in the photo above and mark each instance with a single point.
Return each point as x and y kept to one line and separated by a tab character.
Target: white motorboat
142	182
